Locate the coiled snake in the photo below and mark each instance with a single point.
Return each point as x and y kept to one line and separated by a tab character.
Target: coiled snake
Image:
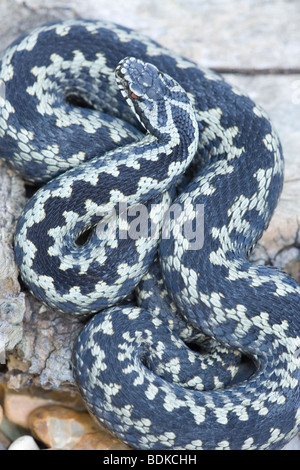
159	372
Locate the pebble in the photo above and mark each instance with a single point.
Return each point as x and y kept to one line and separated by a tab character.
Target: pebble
19	405
62	428
24	443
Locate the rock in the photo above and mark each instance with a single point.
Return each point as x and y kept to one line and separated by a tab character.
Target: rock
18	406
12	301
101	440
24	443
43	355
1	414
60	427
267	33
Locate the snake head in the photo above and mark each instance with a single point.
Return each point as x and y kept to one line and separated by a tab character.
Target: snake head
146	90
140	80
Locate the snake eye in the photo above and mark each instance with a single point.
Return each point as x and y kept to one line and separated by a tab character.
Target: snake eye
133	95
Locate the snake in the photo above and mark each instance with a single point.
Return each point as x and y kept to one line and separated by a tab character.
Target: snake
106	123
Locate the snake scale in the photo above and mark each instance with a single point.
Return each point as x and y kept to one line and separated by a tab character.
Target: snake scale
160	369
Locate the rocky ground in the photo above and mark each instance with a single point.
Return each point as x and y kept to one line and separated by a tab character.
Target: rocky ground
256	45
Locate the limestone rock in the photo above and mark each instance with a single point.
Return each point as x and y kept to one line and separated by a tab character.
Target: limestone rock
12	300
43	355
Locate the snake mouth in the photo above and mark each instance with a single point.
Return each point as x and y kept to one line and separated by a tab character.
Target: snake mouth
127	92
135	77
125	77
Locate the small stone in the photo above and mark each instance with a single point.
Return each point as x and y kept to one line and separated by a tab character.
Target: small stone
24	443
19	405
59	427
101	440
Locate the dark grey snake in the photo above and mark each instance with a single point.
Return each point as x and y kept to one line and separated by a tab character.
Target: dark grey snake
160	371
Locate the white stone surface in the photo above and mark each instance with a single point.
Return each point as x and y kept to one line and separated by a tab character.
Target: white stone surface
24	443
229	33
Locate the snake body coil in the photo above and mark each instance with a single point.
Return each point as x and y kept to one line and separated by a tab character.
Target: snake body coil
132	363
